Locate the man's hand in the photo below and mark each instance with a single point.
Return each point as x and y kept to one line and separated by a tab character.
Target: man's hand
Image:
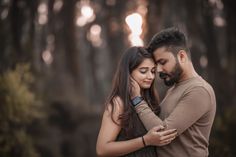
134	88
159	137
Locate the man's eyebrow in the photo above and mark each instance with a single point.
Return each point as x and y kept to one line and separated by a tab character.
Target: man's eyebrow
160	60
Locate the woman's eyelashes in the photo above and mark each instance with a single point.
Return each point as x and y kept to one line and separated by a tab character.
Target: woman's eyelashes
142	71
145	70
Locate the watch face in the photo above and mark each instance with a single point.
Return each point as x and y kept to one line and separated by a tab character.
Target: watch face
136	100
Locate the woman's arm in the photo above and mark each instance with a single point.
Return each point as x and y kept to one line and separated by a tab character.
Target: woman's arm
107	144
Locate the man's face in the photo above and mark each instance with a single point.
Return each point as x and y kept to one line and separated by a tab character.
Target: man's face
168	66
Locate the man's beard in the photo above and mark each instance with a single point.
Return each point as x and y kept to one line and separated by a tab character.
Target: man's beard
174	75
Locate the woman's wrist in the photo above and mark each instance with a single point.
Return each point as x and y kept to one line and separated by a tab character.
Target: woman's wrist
144	143
136	100
145	140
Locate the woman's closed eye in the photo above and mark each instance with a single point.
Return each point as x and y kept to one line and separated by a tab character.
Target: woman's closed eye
145	70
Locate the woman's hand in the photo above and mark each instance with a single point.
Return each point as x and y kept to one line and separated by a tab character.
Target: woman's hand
134	88
157	136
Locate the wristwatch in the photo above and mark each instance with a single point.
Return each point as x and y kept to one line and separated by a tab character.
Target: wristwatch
136	100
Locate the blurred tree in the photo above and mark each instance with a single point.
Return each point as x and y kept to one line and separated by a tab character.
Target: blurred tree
18	108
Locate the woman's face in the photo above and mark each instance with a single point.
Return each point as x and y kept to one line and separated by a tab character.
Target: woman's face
144	74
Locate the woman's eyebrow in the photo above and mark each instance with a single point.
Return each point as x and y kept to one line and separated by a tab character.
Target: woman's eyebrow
147	67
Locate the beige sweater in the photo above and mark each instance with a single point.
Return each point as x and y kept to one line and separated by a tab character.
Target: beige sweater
190	107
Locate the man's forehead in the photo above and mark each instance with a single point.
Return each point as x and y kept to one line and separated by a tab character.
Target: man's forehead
162	54
161	50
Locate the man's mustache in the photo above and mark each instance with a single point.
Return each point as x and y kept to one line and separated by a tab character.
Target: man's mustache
163	75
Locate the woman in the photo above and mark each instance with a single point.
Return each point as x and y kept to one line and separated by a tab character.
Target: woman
122	133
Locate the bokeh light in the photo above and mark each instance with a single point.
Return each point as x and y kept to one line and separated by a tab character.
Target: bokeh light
47	57
219	21
134	22
203	61
4	14
43	14
58	4
94	35
86	14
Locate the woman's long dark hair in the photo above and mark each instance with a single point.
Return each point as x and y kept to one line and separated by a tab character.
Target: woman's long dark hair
129	61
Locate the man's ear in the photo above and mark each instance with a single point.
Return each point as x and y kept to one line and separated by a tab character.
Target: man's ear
182	56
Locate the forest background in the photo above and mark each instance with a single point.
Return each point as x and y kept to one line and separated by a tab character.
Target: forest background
58	57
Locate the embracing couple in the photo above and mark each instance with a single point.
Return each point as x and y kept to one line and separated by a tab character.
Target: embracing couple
136	124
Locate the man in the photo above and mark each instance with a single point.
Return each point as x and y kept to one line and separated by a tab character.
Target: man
189	105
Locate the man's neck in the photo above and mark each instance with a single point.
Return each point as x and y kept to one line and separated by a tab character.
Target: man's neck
188	73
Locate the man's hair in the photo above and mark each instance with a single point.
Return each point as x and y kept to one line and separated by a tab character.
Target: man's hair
172	39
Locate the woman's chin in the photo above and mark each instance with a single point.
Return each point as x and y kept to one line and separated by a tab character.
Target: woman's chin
145	86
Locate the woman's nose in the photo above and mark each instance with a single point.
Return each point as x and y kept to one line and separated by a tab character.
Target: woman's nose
151	75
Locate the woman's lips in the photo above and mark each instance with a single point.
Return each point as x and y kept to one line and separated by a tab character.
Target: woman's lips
148	82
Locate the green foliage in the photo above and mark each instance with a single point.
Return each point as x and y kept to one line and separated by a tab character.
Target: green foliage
17	109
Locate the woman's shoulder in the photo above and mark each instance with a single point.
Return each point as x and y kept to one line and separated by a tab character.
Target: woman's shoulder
118	104
114	109
117	100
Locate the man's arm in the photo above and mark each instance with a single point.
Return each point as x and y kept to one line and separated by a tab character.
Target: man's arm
193	105
147	116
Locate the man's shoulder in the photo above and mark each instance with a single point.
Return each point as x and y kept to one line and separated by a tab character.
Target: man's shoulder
193	84
200	84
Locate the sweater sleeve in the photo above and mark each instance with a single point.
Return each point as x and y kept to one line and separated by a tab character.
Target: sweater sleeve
191	107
